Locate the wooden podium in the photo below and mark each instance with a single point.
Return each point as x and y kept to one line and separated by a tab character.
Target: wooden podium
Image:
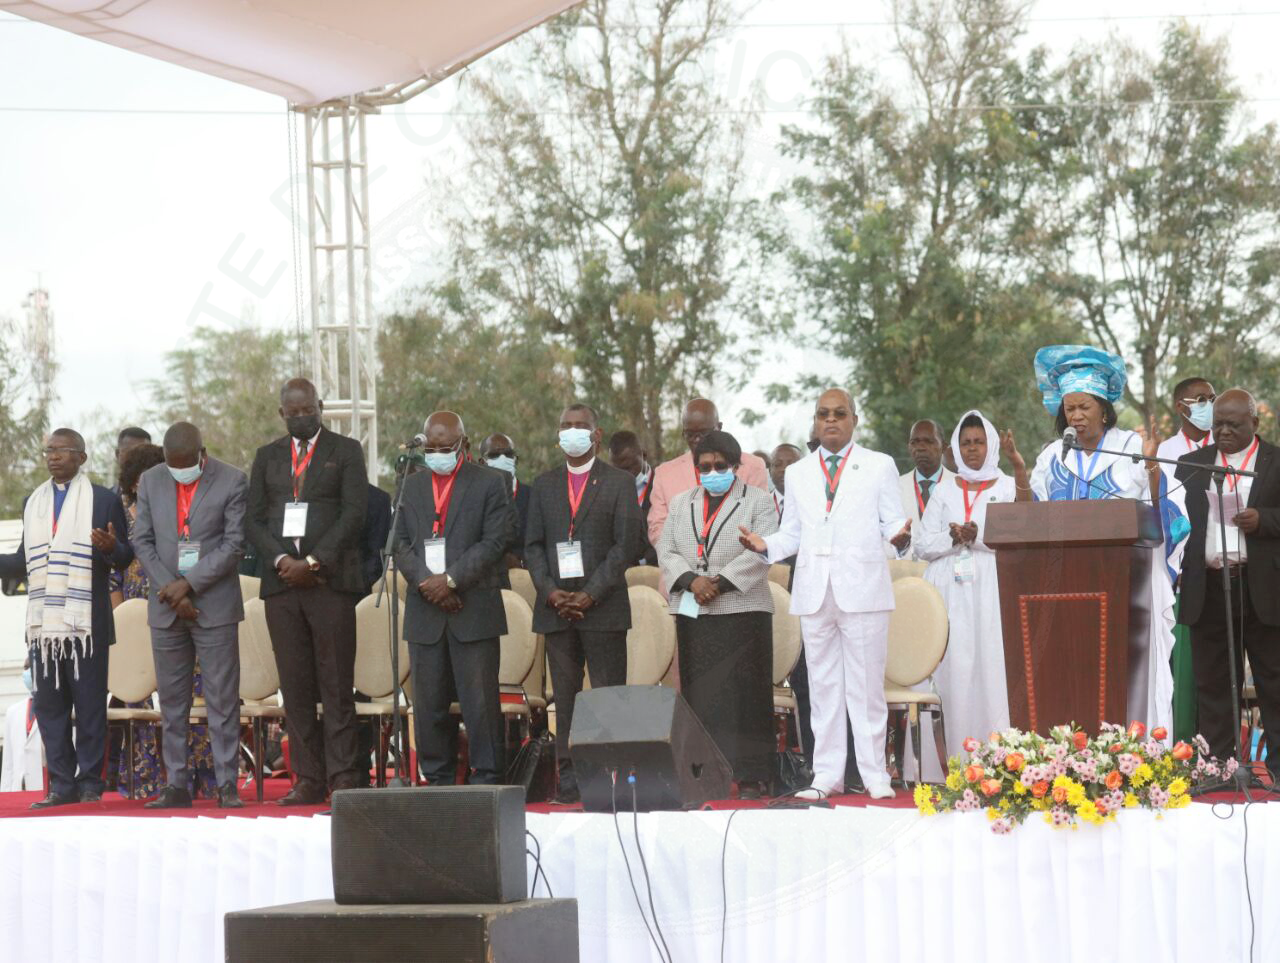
1075	593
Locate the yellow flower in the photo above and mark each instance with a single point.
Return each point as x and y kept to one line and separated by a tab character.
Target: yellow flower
1075	795
1142	775
1019	789
924	800
1131	801
1063	782
1178	787
955	781
1088	812
1048	817
993	814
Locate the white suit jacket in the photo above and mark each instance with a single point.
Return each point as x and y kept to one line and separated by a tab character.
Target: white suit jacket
867	510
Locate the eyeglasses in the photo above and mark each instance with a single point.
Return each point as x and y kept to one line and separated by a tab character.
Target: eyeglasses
1198	400
441	451
61	451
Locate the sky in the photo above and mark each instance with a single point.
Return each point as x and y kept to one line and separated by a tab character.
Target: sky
148	198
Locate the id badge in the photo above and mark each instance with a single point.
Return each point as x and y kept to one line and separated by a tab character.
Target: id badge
188	555
434	551
964	567
569	559
295	520
689	605
822	540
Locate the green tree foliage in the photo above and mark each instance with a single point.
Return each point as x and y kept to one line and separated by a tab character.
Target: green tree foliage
22	426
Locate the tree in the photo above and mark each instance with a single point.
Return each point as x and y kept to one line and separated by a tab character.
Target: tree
925	206
609	217
22	425
1167	246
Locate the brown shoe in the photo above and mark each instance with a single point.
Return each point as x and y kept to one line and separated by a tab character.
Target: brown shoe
304	794
345	780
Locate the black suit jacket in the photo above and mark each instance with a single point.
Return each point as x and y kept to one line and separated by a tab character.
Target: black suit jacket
377	525
650	554
336	490
1263	546
106	508
610	528
480	527
524	494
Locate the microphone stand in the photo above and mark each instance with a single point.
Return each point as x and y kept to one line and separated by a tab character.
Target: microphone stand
393	618
1242	779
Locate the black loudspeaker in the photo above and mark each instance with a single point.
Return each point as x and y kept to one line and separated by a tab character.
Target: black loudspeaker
438	844
321	931
648	729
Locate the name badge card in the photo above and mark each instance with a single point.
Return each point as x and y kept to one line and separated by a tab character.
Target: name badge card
188	555
295	520
689	605
964	567
434	551
569	559
822	539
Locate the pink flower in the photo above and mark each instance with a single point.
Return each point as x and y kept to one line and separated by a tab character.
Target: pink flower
970	745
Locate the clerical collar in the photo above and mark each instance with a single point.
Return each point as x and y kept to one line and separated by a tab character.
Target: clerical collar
935	477
62	487
581	469
827	452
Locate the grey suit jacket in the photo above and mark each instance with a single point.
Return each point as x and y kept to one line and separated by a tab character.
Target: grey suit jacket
216	522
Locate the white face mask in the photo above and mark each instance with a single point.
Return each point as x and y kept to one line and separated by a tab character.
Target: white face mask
575	442
1201	414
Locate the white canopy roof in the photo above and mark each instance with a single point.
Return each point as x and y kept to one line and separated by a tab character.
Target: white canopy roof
308	51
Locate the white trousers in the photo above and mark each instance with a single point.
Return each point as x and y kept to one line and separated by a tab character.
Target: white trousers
845	653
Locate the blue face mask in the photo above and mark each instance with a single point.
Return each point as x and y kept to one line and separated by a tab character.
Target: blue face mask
575	442
185	476
503	463
1201	415
442	462
716	482
27	679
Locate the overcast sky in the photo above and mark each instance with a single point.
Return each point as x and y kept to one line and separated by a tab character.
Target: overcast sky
136	190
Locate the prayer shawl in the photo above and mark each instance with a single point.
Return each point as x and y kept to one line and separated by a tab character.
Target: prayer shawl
59	575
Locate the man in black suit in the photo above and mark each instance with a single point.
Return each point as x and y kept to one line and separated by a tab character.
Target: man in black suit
626	452
308	494
584	531
455	525
499	451
64	519
377	524
1252	560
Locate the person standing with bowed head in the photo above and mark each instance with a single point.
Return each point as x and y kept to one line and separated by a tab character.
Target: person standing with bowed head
842	504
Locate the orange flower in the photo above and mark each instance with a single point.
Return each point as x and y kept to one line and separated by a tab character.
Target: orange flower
1114	779
990	787
1100	805
1137	730
1115	747
1081	739
973	773
1014	761
1182	752
1159	733
970	745
1059	794
1040	788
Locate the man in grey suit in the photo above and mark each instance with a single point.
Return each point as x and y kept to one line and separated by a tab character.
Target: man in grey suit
454	528
189	537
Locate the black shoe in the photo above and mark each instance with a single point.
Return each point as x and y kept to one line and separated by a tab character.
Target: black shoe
750	790
229	796
54	799
170	797
304	794
90	795
346	780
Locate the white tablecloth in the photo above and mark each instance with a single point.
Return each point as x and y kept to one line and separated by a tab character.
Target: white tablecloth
850	884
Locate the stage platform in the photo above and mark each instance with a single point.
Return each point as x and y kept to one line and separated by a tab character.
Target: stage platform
877	882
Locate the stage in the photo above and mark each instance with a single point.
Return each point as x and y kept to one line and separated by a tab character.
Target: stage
855	882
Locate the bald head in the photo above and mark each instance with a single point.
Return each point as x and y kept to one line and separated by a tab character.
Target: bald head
183	445
497	445
700	417
834	419
444	431
1235	421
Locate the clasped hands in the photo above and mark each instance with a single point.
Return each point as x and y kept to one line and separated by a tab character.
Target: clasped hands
435	589
177	595
705	589
965	534
570	606
295	572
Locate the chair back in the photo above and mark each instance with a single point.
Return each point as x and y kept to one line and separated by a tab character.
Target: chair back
646	575
522	585
373	653
519	646
259	678
780	574
131	669
786	634
651	640
918	631
906	568
250	585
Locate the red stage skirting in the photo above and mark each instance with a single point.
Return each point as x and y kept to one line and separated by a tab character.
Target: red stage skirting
17	804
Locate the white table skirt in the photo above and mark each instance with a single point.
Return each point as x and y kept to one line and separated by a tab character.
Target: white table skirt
851	884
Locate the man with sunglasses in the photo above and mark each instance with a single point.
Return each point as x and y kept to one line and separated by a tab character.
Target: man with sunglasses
499	451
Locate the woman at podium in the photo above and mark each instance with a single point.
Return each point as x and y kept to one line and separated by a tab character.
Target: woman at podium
1080	386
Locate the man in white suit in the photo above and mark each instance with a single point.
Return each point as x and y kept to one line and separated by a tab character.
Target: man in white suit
842	501
928	472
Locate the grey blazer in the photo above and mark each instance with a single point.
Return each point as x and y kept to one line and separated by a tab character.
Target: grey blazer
677	547
216	522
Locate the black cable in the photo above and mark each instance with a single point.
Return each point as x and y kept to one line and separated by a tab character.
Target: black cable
613	793
635	821
724	883
1248	891
537	863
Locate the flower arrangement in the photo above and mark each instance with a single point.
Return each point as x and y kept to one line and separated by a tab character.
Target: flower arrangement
1070	778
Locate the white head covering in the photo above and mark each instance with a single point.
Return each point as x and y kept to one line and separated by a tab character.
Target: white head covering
990	469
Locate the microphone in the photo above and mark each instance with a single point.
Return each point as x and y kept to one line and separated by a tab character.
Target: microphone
418	441
1068	442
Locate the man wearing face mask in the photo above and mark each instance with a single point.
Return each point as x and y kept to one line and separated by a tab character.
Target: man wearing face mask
1193	400
308	495
584	532
189	537
626	452
499	451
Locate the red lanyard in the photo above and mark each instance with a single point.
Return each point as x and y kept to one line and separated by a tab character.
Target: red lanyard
1233	480
708	521
968	508
1193	445
574	502
919	497
442	495
186	495
299	469
833	483
647	488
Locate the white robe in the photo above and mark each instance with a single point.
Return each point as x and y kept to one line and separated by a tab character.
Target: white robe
23	768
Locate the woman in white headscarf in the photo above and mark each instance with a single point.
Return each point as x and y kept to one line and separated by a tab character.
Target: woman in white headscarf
970	679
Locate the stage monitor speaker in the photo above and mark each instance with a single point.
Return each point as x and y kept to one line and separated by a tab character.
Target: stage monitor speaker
438	844
321	931
648	729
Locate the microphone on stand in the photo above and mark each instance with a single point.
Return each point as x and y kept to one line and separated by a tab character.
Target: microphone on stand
1068	442
418	441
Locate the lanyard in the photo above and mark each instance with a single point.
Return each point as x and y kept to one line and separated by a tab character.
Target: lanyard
299	469
833	483
186	495
1193	445
1085	475
777	505
648	487
1234	480
704	549
919	495
441	496
574	502
969	507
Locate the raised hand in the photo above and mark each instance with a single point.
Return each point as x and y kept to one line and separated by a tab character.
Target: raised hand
751	540
1009	448
104	540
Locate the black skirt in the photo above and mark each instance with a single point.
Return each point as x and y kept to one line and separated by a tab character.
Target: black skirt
726	669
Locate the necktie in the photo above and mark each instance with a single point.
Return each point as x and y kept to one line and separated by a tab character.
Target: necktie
833	463
926	486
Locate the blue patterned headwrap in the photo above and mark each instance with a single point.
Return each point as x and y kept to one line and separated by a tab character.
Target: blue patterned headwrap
1064	368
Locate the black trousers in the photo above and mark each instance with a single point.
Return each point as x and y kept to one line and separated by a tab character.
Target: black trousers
313	635
470	669
726	668
1213	677
568	651
80	683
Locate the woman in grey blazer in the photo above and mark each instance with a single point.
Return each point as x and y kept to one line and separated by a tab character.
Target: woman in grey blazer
724	610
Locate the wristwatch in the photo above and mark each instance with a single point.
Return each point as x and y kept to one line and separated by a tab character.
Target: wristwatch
448	580
312	563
